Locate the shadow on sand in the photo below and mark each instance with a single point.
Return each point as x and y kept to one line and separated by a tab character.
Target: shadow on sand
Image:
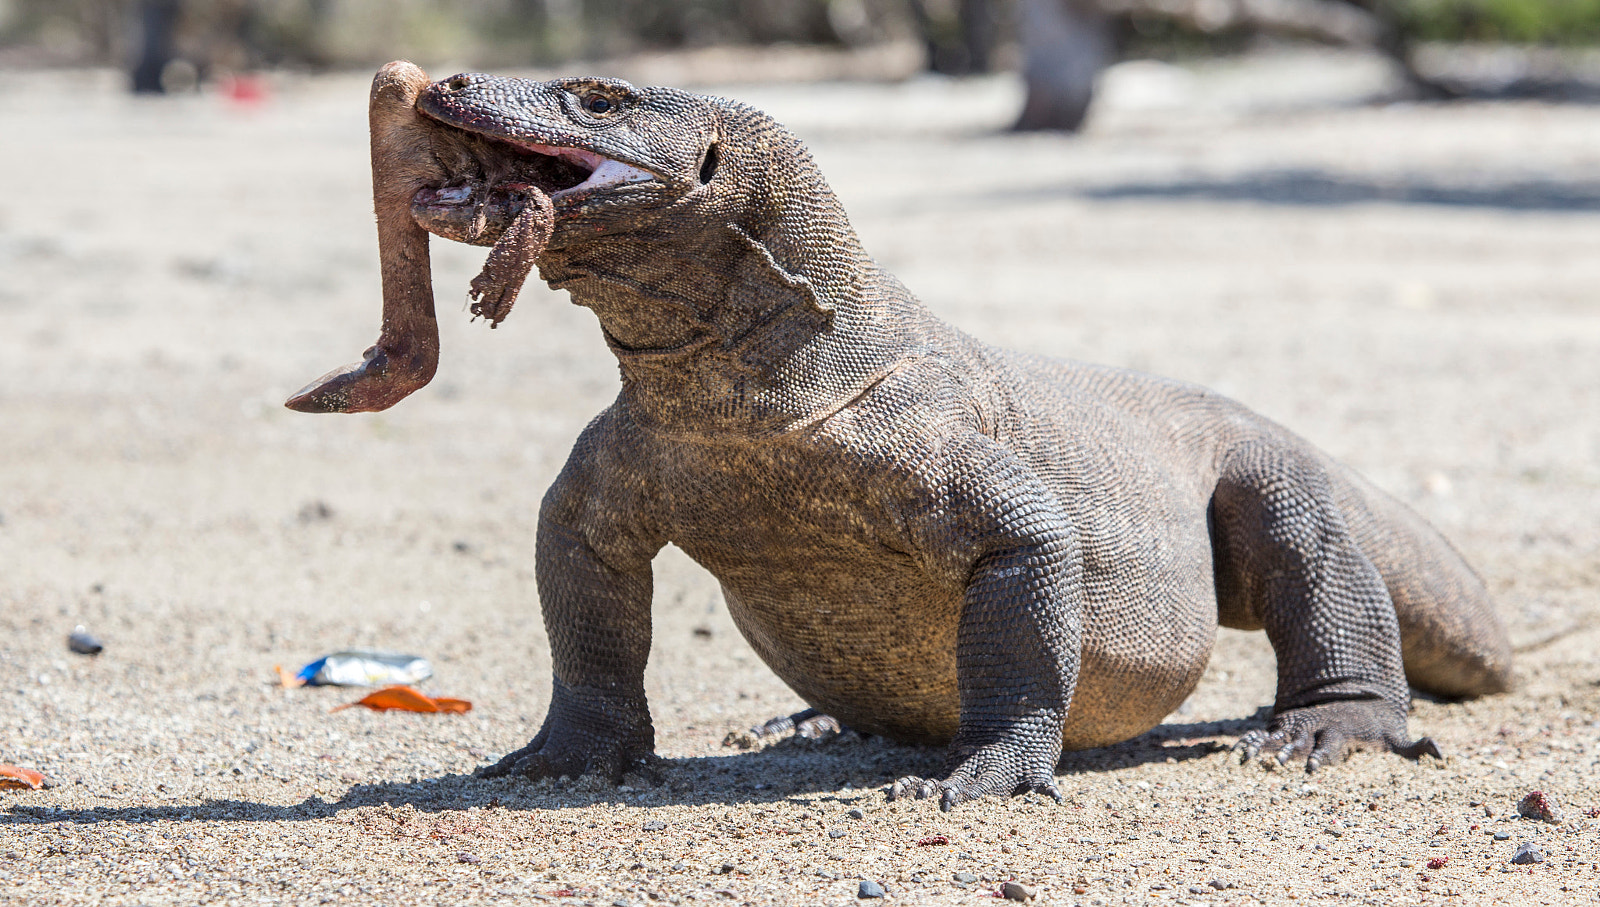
846	769
1315	188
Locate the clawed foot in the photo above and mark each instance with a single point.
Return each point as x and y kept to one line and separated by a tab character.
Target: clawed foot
808	723
992	769
587	732
495	289
1322	734
536	763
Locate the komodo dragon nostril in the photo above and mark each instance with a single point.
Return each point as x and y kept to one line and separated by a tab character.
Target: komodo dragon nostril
457	83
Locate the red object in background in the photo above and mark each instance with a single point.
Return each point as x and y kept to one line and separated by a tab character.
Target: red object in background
245	89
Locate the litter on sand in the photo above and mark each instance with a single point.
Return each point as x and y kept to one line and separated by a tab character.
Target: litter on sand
360	668
406	699
12	776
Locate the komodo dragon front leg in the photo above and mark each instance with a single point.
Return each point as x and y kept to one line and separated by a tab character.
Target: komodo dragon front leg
592	559
1019	640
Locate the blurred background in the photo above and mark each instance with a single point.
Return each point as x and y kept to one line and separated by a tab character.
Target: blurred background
1440	48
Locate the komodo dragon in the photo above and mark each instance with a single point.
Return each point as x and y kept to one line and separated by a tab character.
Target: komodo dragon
926	537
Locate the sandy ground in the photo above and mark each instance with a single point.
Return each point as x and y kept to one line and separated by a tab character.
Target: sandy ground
1415	288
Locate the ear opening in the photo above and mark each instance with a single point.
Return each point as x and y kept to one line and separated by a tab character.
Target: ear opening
708	167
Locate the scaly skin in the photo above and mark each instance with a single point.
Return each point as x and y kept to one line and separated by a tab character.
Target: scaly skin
926	537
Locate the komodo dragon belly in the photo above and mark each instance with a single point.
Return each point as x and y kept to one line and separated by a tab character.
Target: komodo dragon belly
862	632
854	629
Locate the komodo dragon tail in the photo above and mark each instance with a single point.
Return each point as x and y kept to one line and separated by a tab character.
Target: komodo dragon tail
1453	643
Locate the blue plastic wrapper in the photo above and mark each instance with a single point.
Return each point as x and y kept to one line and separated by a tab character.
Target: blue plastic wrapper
365	668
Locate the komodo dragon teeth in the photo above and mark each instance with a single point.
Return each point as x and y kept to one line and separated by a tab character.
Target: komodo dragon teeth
926	537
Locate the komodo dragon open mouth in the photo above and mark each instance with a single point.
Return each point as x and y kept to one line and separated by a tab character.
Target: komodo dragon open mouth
491	179
442	178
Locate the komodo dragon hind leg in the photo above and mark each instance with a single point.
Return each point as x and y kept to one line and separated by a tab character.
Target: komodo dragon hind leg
1286	561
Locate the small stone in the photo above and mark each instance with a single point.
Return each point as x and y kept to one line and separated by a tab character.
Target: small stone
654	825
965	878
724	869
1502	836
1536	805
1196	889
474	859
622	902
836	832
869	889
1221	884
1016	891
856	814
1527	853
84	644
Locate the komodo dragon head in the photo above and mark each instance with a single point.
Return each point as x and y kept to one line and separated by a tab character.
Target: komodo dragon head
684	221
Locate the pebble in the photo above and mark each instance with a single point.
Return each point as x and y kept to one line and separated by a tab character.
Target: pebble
1528	853
1502	835
654	825
724	869
1536	805
835	832
856	814
965	878
1016	891
1221	884
84	644
869	889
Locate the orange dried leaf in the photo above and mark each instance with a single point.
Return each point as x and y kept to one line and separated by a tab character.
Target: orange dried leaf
407	699
13	777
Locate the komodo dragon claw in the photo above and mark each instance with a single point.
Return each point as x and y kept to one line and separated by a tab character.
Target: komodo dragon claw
1324	733
808	723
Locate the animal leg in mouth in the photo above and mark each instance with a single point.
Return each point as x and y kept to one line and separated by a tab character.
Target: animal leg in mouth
407	352
495	289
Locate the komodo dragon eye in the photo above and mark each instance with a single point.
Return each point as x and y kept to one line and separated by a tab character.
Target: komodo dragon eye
598	105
